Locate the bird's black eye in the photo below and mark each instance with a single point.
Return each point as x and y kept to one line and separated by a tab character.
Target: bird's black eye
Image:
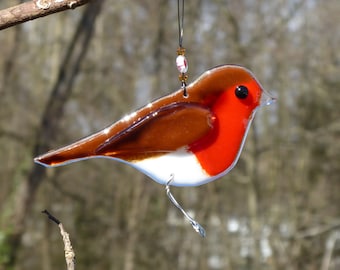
241	91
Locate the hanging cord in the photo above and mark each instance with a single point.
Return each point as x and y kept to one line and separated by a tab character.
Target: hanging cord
180	16
181	61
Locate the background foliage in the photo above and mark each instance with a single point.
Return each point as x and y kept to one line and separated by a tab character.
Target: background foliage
278	209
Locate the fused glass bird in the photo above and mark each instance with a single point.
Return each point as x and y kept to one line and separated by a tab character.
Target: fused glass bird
192	139
196	138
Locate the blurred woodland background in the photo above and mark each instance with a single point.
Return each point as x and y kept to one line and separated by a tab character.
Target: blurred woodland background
69	74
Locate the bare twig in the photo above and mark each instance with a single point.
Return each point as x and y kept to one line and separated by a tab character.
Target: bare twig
35	9
69	253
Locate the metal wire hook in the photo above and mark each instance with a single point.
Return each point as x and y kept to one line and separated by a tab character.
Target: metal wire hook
184	87
197	227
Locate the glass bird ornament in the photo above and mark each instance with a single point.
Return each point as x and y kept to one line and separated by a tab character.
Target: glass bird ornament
194	138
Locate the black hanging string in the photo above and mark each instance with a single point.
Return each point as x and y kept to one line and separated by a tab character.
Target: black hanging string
180	22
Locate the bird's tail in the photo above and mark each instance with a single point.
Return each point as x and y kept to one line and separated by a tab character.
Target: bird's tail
82	149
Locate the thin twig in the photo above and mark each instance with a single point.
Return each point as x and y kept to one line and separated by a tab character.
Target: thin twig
69	253
35	9
51	217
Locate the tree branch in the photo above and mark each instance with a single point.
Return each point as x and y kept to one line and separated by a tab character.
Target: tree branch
70	256
35	9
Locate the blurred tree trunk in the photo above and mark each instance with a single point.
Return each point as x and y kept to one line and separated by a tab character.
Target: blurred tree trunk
50	120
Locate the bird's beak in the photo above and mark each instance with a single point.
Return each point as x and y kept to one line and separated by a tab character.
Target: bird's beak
266	98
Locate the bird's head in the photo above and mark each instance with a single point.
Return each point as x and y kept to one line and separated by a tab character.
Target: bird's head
234	86
233	95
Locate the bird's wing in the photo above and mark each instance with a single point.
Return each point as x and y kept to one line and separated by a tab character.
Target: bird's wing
161	131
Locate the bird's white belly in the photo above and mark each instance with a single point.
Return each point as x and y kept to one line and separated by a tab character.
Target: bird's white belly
183	165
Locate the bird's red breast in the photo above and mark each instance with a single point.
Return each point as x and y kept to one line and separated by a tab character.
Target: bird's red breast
210	124
218	151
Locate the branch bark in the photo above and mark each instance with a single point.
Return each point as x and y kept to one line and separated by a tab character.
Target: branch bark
35	9
70	256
